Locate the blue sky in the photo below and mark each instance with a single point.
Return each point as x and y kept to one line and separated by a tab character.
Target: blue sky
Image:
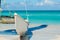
30	4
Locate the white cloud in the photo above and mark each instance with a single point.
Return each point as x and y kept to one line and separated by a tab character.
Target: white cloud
22	3
46	1
39	4
49	2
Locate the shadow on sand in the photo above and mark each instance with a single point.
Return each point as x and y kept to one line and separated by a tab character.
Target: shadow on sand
29	33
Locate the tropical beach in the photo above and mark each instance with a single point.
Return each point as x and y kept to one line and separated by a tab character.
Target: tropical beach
30	20
50	32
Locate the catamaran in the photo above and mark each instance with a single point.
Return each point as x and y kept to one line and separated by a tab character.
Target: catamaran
19	28
20	25
19	31
15	31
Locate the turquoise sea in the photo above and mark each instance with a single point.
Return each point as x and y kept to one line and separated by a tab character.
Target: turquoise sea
40	17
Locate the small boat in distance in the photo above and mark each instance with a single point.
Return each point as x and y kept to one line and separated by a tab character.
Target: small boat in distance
7	20
19	23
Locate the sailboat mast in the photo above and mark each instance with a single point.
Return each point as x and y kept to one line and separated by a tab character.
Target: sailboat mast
26	11
0	9
0	3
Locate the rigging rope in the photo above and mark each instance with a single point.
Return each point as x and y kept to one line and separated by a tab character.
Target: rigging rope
7	8
27	16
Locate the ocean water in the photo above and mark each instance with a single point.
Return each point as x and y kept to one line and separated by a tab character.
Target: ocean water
39	17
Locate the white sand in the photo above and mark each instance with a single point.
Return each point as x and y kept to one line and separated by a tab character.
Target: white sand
6	26
9	37
52	32
48	33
